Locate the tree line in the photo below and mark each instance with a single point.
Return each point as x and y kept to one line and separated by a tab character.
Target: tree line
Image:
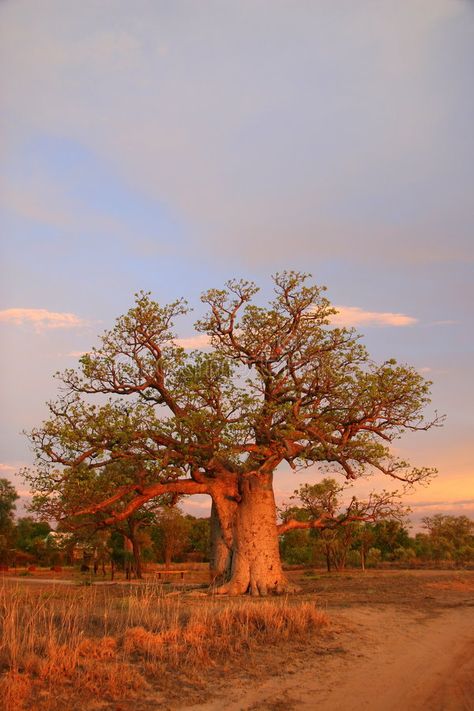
338	537
166	535
162	534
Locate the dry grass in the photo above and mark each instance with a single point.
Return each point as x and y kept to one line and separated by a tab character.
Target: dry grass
71	648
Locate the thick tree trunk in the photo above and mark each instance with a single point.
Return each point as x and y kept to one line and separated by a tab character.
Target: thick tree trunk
256	566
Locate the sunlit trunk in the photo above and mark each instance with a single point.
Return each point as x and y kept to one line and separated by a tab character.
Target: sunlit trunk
256	566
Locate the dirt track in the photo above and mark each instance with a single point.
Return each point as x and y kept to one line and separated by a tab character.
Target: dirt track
378	661
378	657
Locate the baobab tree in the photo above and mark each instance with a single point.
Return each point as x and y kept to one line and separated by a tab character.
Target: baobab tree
279	384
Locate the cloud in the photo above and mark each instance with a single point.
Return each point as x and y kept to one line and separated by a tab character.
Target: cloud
201	341
39	205
41	319
355	316
468	503
199	505
420	509
346	316
7	468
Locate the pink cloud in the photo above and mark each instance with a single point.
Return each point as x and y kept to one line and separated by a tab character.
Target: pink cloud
201	341
7	468
40	319
355	316
346	316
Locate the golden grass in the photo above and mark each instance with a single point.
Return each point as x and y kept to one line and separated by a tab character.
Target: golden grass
62	649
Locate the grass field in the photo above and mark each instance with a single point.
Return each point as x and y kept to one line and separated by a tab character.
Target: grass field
102	646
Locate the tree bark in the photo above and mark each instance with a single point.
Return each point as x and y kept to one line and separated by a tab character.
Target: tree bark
221	552
256	565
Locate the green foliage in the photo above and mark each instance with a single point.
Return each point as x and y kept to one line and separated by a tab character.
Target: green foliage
8	496
337	528
141	417
170	534
28	532
199	536
450	537
297	548
390	536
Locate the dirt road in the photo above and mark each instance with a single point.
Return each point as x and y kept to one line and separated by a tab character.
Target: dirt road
376	659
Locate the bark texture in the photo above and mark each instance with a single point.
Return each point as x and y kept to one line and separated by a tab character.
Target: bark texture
256	565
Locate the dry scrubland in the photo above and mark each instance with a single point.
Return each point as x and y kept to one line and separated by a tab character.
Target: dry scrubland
91	647
160	646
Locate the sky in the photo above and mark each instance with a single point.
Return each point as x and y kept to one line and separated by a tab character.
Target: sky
169	146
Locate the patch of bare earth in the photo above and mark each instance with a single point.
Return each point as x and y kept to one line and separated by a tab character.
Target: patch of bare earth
397	641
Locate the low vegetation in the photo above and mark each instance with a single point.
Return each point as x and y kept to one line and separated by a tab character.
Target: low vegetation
63	648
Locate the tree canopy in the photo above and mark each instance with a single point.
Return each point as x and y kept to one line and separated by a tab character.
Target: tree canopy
278	385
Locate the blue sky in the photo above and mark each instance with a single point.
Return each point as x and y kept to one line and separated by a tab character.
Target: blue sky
170	146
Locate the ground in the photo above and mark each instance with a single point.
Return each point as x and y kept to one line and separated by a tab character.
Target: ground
394	640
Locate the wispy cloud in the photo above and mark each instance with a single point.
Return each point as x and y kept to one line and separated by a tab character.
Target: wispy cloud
39	204
346	316
355	316
41	319
201	341
468	503
7	468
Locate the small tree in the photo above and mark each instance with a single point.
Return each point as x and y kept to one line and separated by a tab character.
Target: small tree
28	531
296	546
171	533
199	537
390	535
83	486
339	527
8	496
450	537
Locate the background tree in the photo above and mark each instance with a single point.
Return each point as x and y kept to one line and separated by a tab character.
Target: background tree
297	547
389	536
8	496
81	486
28	531
450	537
339	526
171	533
199	535
279	385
